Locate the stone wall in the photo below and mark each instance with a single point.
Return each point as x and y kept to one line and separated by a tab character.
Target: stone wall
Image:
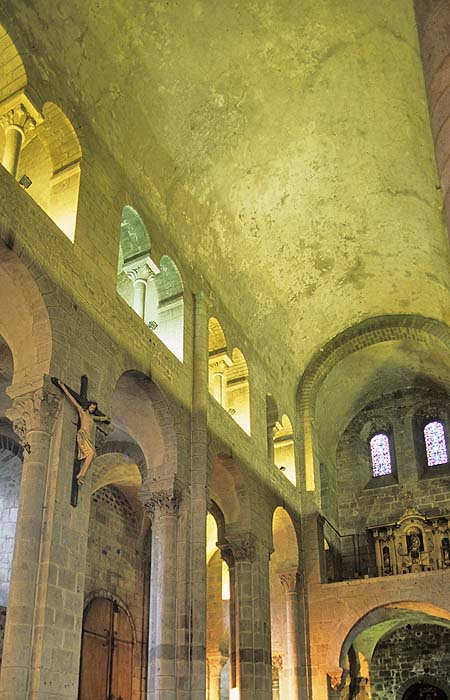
411	652
116	566
364	500
10	475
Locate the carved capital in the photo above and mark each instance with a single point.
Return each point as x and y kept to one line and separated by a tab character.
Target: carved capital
162	503
19	112
277	663
290	580
140	268
34	411
243	547
226	553
335	677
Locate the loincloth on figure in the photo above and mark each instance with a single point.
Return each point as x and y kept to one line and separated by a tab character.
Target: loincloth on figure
85	444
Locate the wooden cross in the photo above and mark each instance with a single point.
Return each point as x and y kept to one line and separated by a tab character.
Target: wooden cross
82	399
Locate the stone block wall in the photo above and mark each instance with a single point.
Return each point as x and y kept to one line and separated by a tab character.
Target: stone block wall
411	652
10	475
364	500
116	567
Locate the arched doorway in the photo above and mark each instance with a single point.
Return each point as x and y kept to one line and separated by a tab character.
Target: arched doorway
424	691
106	652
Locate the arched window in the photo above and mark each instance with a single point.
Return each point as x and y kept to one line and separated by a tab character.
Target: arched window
435	443
155	293
380	453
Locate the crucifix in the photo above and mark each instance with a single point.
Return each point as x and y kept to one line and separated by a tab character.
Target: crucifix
88	416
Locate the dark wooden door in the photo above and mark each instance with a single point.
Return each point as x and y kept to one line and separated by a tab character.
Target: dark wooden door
106	653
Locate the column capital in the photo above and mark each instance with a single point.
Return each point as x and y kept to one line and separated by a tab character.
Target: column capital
161	503
336	677
277	663
19	112
35	410
290	580
140	268
240	547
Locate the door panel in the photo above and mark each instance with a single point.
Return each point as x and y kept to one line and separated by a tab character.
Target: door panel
107	653
94	668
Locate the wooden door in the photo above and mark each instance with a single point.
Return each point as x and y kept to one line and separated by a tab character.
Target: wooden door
106	653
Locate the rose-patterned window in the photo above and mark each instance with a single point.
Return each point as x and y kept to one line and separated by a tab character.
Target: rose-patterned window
380	453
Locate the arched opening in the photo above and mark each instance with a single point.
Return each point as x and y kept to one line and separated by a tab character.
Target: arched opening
25	350
357	409
217	616
228	376
106	669
283	448
156	293
284	608
39	145
424	691
399	651
10	477
238	390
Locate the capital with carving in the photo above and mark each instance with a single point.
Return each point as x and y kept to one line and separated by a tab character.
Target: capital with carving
140	268
226	553
19	112
290	580
162	503
277	663
34	411
243	547
335	677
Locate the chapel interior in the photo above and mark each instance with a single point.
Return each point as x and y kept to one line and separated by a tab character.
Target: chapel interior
224	232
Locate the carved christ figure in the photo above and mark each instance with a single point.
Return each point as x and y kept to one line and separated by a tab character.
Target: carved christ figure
86	431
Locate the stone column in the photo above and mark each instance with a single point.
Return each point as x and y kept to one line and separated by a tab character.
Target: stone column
34	418
198	502
18	116
290	582
163	511
250	602
219	362
140	271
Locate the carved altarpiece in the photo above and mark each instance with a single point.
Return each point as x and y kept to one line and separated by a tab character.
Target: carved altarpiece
413	544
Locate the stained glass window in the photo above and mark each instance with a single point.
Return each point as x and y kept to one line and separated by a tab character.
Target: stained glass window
381	455
435	443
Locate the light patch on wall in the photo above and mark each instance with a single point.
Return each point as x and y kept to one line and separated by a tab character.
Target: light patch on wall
235	694
225	582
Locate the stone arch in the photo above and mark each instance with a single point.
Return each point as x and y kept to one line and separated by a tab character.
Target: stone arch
156	293
229	491
403	331
379	621
103	593
238	390
13	77
284	449
64	150
141	411
169	312
283	581
423	680
30	341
